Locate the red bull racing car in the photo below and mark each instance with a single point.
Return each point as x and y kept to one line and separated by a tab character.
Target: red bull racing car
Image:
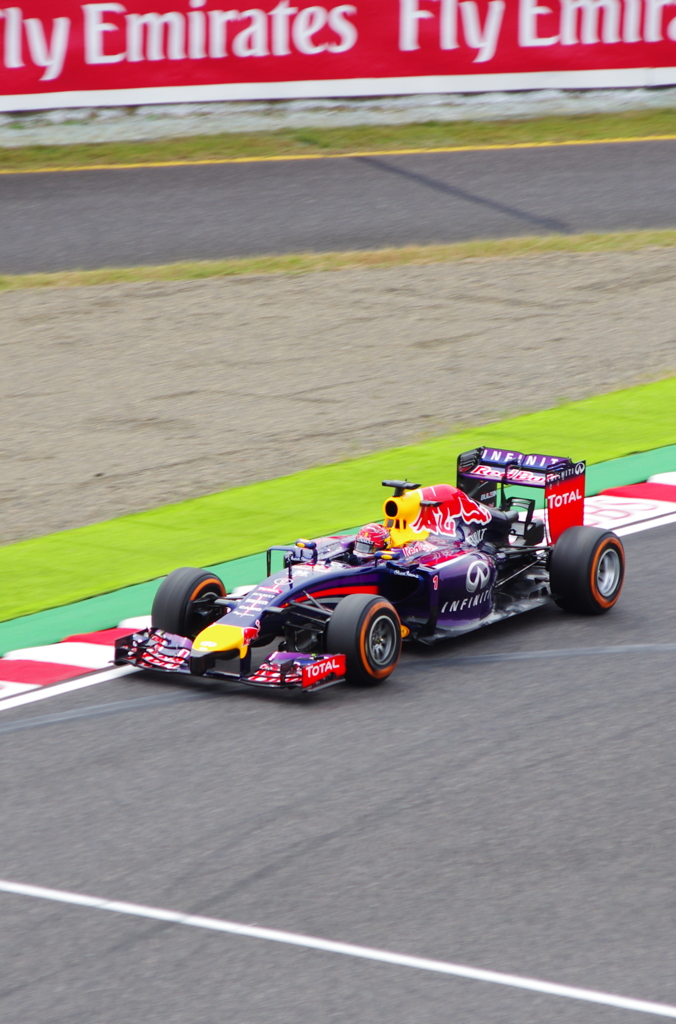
445	560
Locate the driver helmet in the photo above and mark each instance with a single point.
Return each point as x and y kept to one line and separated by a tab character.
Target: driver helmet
370	539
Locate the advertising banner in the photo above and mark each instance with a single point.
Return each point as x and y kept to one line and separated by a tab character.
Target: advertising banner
60	53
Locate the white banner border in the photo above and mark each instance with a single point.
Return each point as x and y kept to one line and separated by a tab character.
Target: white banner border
613	78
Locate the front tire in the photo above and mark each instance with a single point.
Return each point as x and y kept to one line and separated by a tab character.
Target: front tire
586	570
367	630
184	602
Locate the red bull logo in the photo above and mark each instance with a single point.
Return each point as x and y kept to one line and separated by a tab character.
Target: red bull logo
249	634
454	505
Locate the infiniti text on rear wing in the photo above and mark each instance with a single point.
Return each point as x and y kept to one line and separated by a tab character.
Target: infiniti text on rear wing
483	474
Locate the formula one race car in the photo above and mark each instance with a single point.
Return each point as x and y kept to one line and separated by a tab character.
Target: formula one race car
446	560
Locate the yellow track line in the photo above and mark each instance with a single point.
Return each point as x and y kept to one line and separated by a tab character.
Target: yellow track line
340	156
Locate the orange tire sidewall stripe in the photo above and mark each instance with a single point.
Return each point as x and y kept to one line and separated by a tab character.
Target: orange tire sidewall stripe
603	601
368	619
200	586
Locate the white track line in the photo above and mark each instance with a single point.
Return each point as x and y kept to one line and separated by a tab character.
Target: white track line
344	948
12	689
72	684
650	524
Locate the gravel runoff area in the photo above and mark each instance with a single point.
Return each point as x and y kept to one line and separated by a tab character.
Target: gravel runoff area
135	124
123	397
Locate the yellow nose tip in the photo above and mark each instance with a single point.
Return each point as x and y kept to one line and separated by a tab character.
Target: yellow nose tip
220	637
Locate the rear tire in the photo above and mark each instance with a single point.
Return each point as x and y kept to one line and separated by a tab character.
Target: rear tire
586	570
367	630
182	605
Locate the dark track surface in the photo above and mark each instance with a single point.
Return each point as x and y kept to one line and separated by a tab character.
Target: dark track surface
130	217
516	815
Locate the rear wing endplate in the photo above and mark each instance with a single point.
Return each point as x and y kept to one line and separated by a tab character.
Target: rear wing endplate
483	474
564	499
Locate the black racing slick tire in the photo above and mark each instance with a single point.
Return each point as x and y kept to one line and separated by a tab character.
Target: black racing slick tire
367	630
184	602
586	570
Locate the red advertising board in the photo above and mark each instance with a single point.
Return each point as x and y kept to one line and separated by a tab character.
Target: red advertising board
60	53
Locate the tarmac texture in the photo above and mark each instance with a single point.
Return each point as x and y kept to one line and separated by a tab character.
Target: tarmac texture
161	215
124	397
515	815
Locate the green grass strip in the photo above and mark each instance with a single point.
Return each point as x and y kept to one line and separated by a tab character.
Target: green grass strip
309	262
360	138
65	567
106	610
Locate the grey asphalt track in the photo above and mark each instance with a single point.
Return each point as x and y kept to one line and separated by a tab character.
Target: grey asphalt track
129	217
516	815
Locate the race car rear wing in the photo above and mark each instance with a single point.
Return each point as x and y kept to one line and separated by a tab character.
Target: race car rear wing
483	474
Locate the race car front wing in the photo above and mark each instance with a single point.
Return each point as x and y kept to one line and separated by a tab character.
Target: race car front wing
158	651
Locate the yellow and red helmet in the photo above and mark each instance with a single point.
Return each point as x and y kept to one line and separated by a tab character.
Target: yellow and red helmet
371	538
